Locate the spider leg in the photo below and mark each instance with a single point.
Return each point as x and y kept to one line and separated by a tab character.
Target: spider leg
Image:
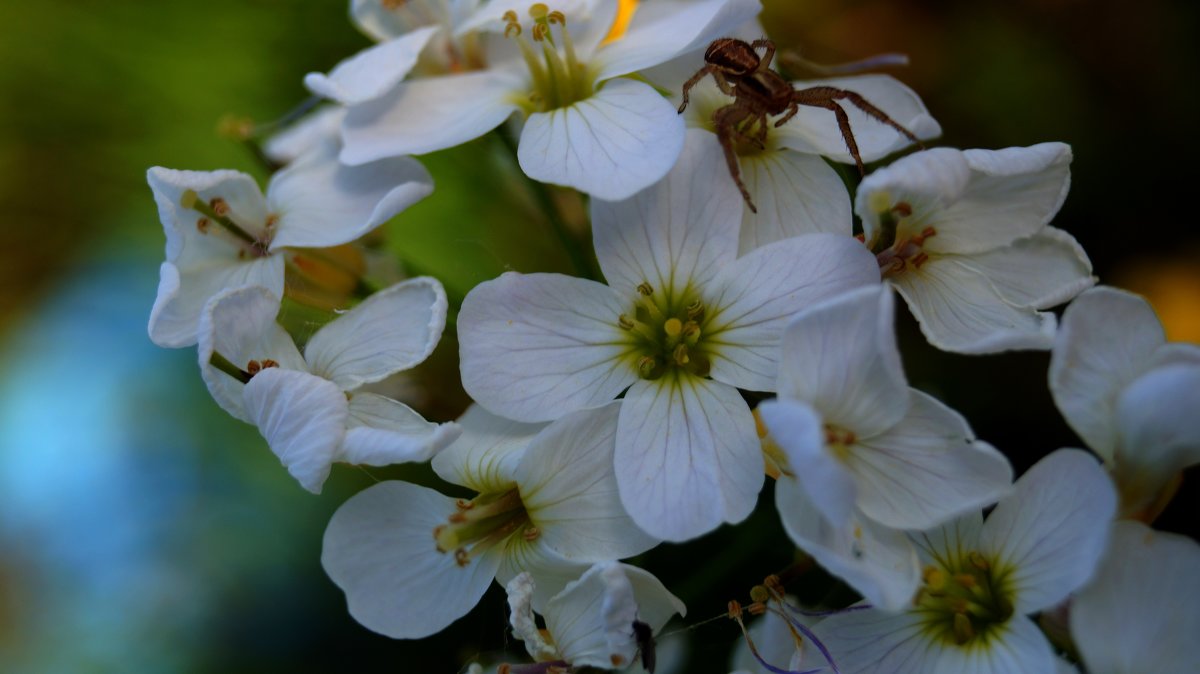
866	106
793	108
765	61
693	81
726	120
824	97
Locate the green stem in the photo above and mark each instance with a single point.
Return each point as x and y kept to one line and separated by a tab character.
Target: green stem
193	201
541	193
222	363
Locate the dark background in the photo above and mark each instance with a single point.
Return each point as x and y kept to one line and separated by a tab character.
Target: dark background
142	530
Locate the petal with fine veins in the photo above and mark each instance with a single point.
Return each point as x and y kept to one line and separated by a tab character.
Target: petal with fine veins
675	233
379	549
556	335
381	432
610	145
429	114
373	71
486	455
392	330
688	457
302	417
183	293
1039	272
1159	434
755	297
796	194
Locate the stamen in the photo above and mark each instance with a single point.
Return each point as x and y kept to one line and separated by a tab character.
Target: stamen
217	211
224	365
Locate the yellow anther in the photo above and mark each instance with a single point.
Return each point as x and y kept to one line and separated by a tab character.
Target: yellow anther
695	311
531	533
978	561
509	17
462	557
538	10
513	29
202	225
963	630
691	333
540	32
557	17
647	366
935	578
681	355
624	322
879	202
759	593
464	504
966	580
673	327
902	209
734	609
188	198
645	288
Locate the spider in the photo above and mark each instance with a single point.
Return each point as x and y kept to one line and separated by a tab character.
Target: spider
759	91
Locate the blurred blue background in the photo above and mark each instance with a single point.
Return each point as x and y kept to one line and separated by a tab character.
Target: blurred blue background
143	530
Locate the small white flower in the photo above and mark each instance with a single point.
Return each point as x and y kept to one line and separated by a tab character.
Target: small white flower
983	578
411	561
683	324
1130	394
963	237
1139	613
865	457
590	623
309	407
222	233
587	126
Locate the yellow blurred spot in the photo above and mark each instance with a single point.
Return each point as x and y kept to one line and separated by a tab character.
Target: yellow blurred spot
625	12
1172	287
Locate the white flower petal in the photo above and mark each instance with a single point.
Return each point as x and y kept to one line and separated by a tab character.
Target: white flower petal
816	131
379	549
490	15
382	20
182	294
536	346
840	357
798	430
610	145
878	562
303	418
949	545
688	457
1050	532
240	325
373	71
1158	430
429	114
186	247
520	617
551	572
1138	614
1016	647
1108	337
310	132
691	26
486	455
757	295
975	200
796	194
927	469
392	330
570	492
1041	271
879	642
381	432
322	203
592	619
960	310
676	233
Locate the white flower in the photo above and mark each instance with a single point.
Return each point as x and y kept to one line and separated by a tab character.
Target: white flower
312	130
587	126
309	407
795	190
590	623
1130	394
983	578
1139	613
683	324
865	457
222	233
411	560
962	235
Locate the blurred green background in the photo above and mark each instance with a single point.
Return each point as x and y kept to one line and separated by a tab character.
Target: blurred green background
143	530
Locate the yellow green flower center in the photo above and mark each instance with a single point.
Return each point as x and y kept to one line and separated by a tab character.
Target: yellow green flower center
480	524
965	602
666	333
559	78
898	245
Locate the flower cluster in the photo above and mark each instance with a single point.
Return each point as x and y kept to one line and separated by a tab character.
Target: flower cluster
727	326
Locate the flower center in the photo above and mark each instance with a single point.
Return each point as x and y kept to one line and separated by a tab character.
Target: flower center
963	604
216	218
559	79
667	335
896	248
839	440
479	524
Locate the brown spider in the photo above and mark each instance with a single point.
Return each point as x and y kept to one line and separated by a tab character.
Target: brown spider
759	91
